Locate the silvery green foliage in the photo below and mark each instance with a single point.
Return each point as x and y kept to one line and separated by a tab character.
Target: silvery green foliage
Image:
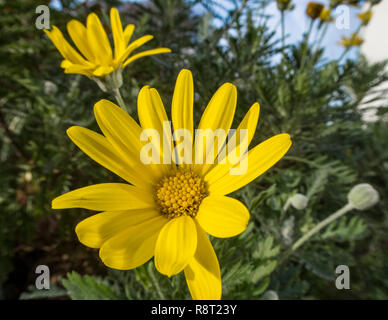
88	288
54	292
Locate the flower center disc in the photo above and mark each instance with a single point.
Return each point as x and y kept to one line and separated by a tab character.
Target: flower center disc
180	194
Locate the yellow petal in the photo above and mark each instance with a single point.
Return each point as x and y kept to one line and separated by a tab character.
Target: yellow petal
78	69
134	45
249	123
237	144
176	245
98	40
77	32
124	134
152	115
97	229
218	115
102	71
222	216
128	31
182	104
117	30
132	247
105	197
100	150
146	53
203	274
260	159
66	64
66	50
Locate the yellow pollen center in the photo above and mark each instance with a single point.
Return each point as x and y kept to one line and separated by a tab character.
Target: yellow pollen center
180	194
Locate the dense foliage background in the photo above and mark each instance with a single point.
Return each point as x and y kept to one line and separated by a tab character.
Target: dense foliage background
316	100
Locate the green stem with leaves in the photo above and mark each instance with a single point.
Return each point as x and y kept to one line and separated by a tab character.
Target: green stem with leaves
283	34
339	213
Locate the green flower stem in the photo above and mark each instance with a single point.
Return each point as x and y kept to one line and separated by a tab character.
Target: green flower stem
306	44
323	33
283	33
120	100
321	225
315	230
284	209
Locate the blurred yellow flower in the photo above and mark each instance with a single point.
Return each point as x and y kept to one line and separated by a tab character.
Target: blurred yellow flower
325	15
365	17
167	210
96	58
352	41
314	9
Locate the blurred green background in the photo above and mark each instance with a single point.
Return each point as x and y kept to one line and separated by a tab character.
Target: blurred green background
301	91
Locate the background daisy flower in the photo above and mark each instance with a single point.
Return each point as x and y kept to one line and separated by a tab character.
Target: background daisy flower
95	57
167	210
353	41
314	9
365	16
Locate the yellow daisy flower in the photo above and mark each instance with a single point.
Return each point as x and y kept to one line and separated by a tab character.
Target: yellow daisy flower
352	41
325	15
314	9
95	57
166	211
365	17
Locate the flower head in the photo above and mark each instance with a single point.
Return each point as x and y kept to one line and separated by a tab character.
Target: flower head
95	57
365	17
325	15
314	9
363	196
168	208
352	41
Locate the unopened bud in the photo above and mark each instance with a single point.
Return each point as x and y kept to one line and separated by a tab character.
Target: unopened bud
363	196
270	295
299	201
49	88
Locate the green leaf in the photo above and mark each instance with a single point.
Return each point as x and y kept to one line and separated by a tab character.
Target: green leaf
263	270
88	288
